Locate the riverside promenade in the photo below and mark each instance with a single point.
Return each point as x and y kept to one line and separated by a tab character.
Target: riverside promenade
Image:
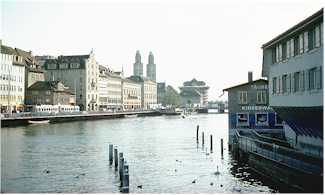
23	118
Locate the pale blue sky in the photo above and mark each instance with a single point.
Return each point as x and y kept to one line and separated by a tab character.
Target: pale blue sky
214	41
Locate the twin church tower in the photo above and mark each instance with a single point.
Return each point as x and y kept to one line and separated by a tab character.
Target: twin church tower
138	66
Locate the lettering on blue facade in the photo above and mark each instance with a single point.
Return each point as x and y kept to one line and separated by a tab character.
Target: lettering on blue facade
255	108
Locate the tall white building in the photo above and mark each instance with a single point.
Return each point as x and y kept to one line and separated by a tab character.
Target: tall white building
151	68
138	66
12	80
293	62
109	89
81	74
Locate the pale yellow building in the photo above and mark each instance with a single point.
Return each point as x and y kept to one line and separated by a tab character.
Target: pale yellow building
148	91
131	95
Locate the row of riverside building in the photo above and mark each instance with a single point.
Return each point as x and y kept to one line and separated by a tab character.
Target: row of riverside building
290	100
76	80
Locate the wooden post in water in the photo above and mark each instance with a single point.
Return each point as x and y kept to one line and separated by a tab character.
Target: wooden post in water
202	139
110	154
121	163
125	186
221	147
115	158
197	134
211	144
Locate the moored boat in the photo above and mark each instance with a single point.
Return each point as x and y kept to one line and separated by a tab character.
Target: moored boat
39	121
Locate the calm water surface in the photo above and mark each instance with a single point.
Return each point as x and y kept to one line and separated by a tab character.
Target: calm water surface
161	152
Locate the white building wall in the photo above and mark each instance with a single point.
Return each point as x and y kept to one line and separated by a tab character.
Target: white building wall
12	82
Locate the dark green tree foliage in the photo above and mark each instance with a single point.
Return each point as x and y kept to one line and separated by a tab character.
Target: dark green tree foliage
171	97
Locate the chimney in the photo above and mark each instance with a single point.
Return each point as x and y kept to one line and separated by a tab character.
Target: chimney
250	76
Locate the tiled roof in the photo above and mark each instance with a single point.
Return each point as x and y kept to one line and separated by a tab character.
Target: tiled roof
316	16
248	83
7	50
47	85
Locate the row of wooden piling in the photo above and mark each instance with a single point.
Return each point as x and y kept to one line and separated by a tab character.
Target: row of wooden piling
121	165
211	140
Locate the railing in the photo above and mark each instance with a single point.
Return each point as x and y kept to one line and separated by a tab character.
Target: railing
282	155
52	114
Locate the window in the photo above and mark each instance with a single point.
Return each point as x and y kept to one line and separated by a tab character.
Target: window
74	65
274	85
321	33
64	66
261	119
242	119
284	83
278	120
284	51
311	39
296	46
261	97
312	81
306	42
242	97
51	66
288	49
292	45
296	78
301	43
317	36
302	81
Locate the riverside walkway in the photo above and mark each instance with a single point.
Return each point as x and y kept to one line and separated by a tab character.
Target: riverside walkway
22	118
280	154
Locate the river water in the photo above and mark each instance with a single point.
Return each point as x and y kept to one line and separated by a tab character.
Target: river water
161	151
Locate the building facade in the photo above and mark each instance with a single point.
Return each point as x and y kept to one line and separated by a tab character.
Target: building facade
33	70
148	91
81	74
49	93
248	109
131	95
151	68
12	80
109	89
41	59
194	94
138	66
293	63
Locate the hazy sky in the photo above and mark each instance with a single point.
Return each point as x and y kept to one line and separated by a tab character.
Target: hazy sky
214	41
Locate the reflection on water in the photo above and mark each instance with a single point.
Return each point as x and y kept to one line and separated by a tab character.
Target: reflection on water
161	152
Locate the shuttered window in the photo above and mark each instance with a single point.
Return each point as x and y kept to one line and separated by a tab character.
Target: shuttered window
288	49
242	97
317	36
279	53
301	81
319	78
284	83
261	97
311	39
289	83
296	46
292	45
301	43
321	33
284	51
306	41
296	78
311	76
274	85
